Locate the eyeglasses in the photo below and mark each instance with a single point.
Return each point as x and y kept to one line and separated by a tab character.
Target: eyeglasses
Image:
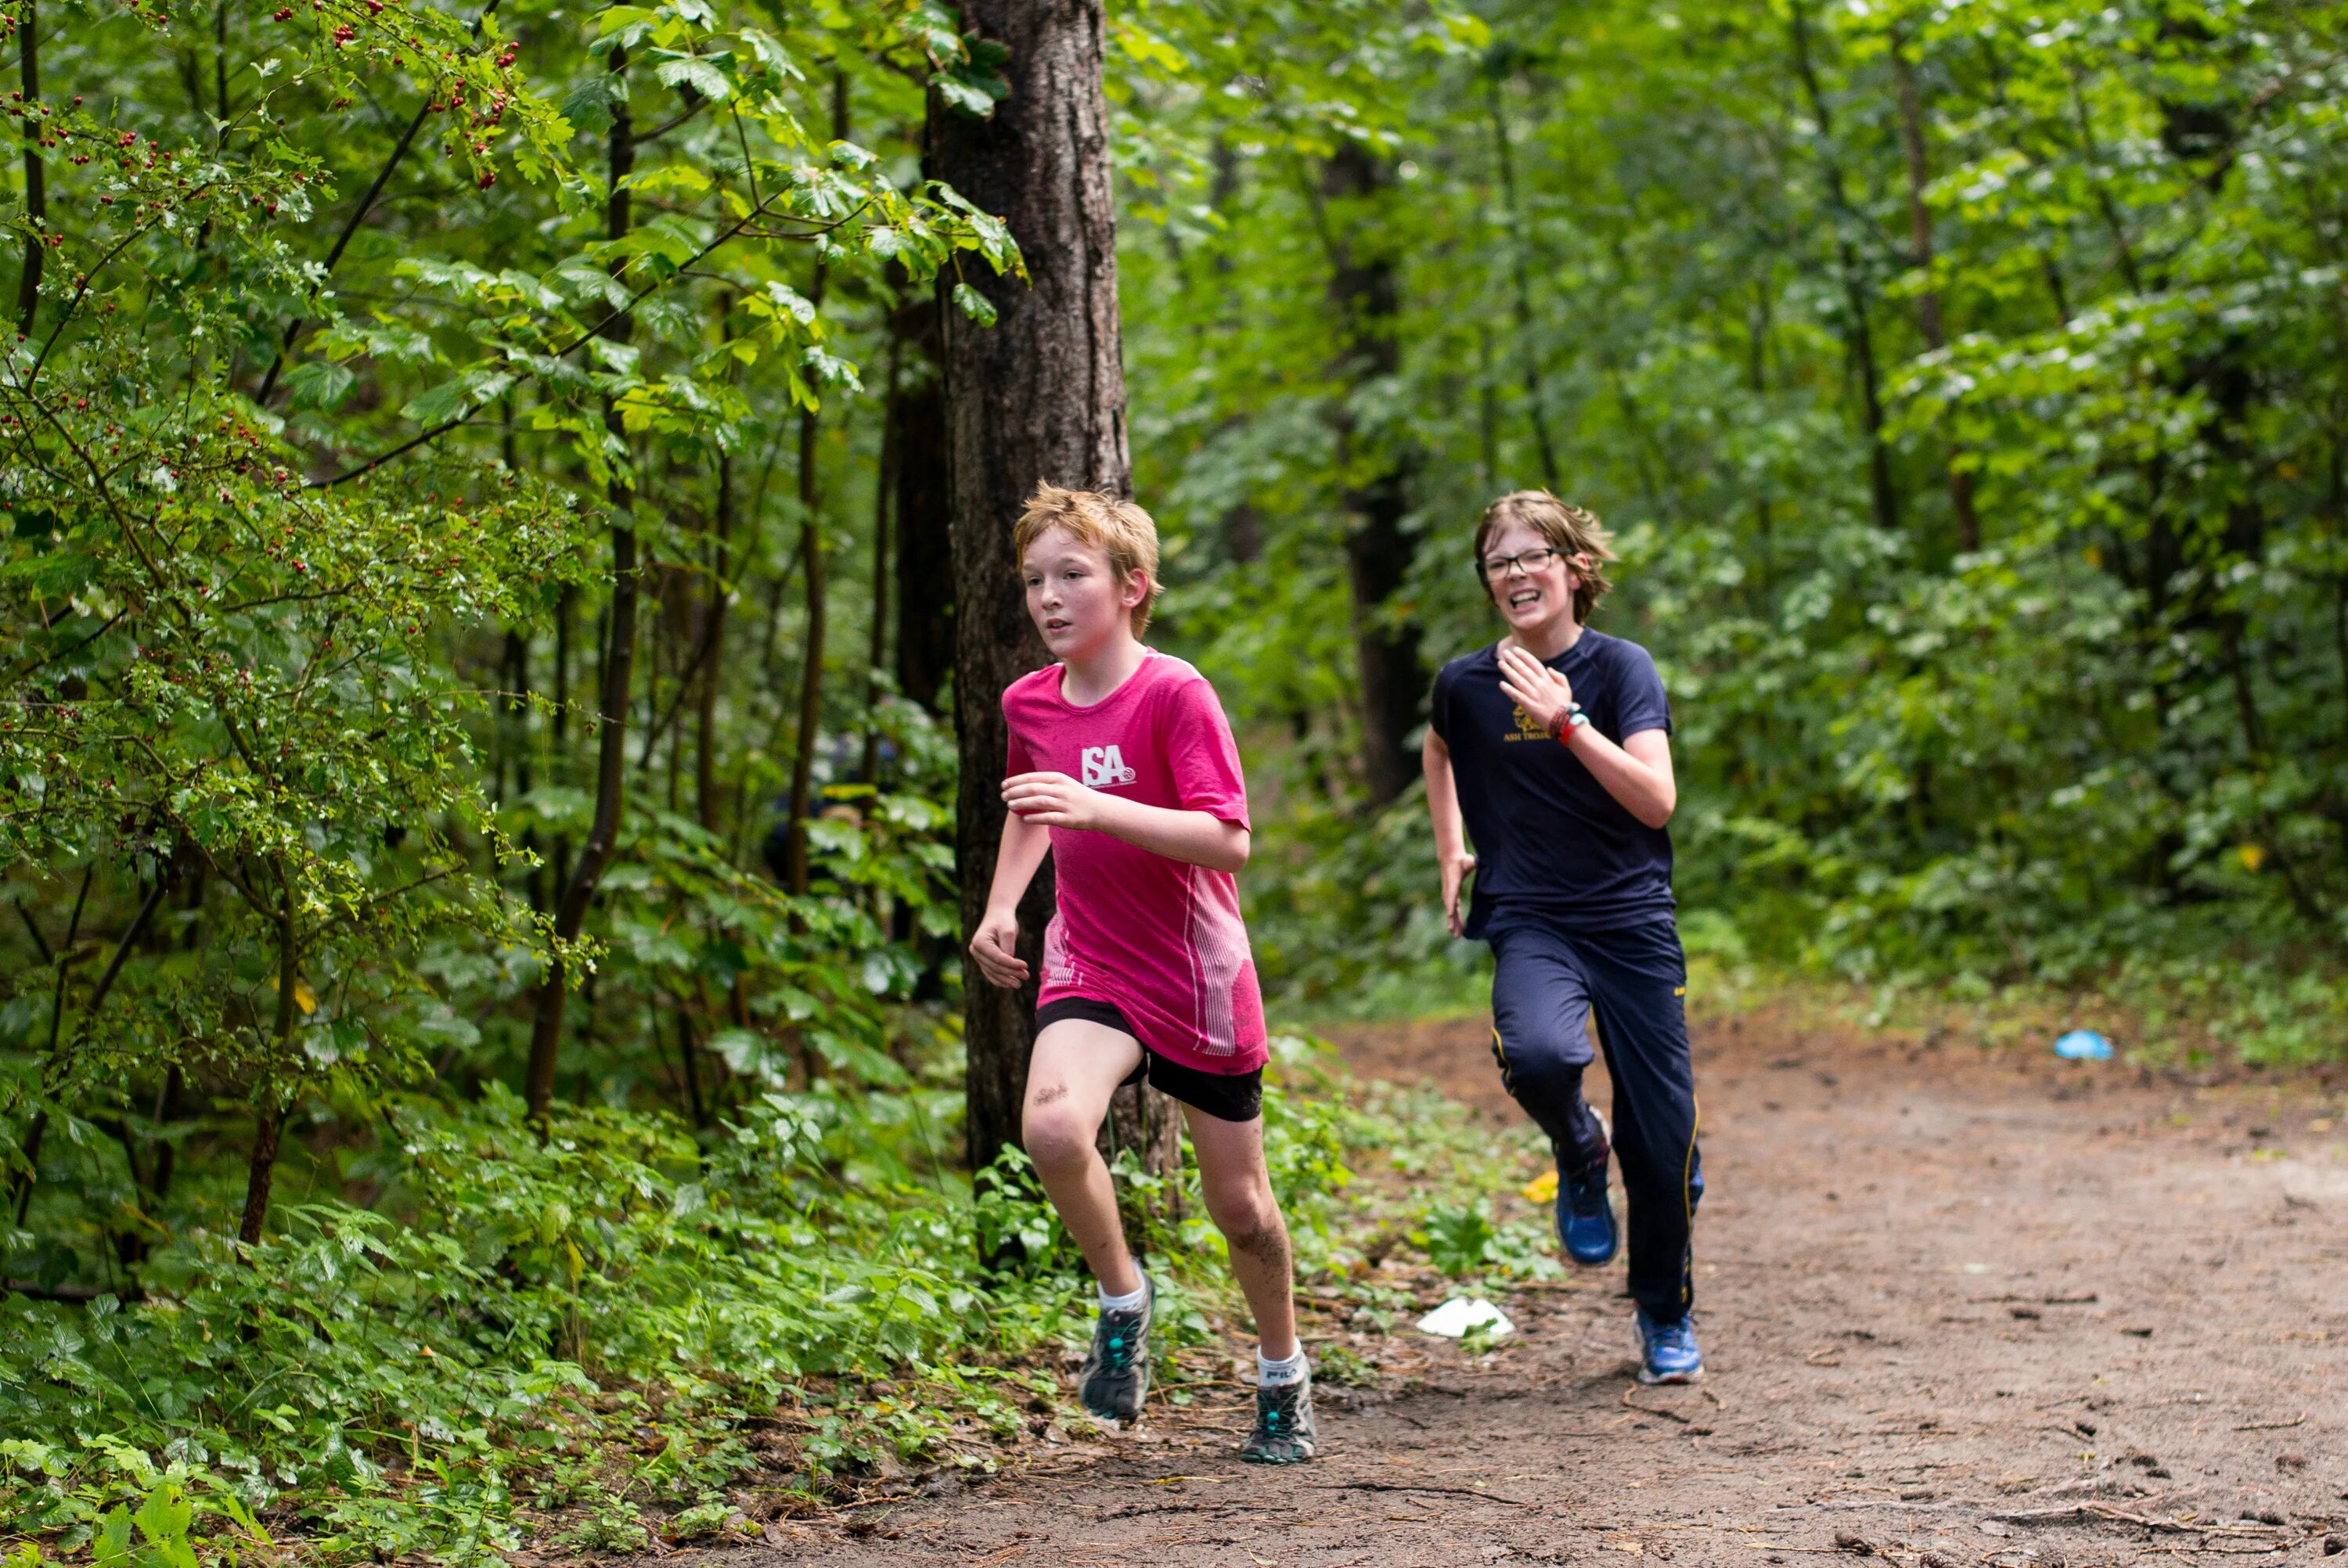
1530	560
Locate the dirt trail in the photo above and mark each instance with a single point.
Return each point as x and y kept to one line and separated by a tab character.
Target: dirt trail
1955	1311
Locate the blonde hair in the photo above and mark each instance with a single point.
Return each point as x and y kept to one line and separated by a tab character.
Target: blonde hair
1117	528
1572	531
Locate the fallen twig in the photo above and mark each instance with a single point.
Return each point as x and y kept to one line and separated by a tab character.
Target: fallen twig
1447	1491
2079	1510
1154	1508
2297	1420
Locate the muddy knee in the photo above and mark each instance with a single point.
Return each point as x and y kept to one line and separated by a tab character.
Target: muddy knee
1251	1222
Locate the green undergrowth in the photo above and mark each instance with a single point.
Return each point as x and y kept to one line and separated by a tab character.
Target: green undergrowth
624	1333
2220	1012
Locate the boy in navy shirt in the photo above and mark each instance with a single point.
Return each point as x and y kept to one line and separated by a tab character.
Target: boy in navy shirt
1551	751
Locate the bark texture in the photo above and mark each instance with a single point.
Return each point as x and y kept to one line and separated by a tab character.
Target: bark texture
586	873
1038	395
1929	319
1379	551
1859	337
925	579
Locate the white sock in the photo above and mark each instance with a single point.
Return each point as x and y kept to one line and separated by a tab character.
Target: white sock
1273	1374
1129	1302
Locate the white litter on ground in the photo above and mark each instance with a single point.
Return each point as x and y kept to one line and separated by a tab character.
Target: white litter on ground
1456	1316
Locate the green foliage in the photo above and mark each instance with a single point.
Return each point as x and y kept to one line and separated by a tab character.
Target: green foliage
516	1313
1962	384
576	1341
308	438
1965	386
1460	1240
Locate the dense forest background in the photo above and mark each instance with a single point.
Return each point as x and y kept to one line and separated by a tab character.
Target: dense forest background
478	763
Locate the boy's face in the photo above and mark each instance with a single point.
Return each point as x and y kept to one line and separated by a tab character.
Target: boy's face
1529	598
1074	597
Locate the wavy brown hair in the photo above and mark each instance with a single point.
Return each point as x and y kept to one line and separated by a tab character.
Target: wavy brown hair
1572	531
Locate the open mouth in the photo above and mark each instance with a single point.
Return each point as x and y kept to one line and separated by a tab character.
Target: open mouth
1523	598
1053	625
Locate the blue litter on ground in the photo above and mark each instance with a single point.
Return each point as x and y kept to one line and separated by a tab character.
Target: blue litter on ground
2084	1045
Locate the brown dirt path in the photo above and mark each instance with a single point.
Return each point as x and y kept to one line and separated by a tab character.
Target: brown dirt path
1956	1310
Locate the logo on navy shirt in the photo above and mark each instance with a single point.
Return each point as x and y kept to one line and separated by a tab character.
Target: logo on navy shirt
1105	765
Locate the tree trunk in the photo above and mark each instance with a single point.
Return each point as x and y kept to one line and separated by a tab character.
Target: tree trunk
925	581
1860	341
876	646
259	1175
1377	551
1151	1124
261	1165
1536	406
713	653
36	205
619	673
1039	395
1919	253
811	565
810	716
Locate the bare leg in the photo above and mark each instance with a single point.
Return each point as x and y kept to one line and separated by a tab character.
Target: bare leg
1077	1066
1238	1198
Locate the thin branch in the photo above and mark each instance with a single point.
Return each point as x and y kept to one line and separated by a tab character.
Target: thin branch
359	215
90	282
122	949
74	1293
695	104
573	347
40	943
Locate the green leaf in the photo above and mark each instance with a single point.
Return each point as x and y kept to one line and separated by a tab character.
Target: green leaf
54	574
112	1545
444	402
698	74
589	104
463	396
974	304
320	384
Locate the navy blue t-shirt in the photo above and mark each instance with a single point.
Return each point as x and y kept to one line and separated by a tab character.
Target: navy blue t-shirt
1548	838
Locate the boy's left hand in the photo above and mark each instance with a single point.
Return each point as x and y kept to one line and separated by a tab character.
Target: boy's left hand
1052	800
1539	691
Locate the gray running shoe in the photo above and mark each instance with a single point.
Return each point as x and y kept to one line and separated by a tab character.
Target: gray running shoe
1117	1374
1285	1432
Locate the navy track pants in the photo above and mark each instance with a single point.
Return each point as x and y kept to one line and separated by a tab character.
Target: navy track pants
1547	986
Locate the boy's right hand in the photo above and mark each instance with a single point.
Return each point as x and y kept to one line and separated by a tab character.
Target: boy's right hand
1455	872
997	949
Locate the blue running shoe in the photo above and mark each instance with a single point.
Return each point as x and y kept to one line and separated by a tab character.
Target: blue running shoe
1667	1351
1585	1218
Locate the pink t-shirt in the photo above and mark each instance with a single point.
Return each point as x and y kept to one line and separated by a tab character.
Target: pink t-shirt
1160	940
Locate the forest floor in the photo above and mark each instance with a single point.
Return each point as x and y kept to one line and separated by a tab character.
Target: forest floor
1956	1308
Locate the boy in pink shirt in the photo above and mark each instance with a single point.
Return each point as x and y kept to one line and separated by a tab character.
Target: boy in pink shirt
1122	765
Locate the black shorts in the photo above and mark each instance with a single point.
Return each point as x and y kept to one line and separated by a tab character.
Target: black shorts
1225	1096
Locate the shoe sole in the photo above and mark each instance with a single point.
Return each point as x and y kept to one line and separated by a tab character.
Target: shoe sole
1266	1459
1658	1379
1121	1419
